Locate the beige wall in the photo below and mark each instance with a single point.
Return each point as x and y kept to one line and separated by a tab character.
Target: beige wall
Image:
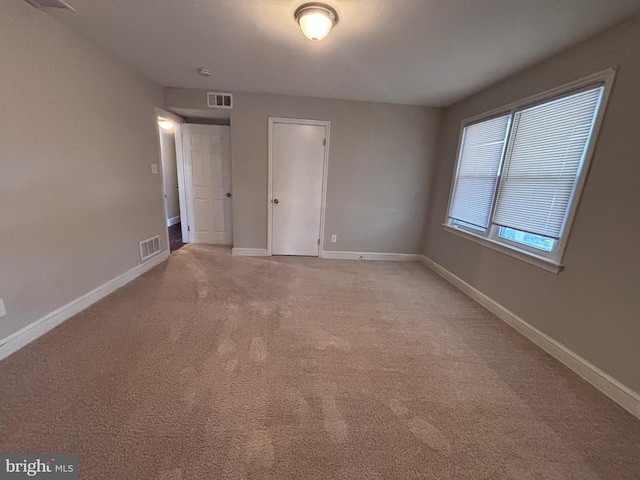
593	307
188	98
77	137
380	161
170	170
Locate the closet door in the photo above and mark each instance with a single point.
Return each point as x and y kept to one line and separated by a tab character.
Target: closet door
298	153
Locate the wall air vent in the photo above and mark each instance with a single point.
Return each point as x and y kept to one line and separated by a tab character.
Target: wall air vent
149	247
219	100
42	4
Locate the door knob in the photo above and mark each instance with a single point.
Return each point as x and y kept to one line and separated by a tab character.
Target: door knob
276	201
228	195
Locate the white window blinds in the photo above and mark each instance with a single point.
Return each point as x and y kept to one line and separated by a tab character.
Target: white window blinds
543	159
478	167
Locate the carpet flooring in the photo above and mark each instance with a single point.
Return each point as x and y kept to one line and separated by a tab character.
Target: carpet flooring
217	367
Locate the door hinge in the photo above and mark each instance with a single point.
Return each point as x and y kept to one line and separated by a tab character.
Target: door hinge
324	142
188	228
318	241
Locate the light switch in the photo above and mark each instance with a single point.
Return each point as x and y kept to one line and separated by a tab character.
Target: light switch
334	238
3	311
154	168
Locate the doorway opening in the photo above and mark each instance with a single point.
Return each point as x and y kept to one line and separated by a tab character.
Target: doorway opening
168	128
196	173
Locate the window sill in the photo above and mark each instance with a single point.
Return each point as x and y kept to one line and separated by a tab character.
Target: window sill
523	255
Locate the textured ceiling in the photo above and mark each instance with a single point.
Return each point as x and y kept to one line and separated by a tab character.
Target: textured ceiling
427	52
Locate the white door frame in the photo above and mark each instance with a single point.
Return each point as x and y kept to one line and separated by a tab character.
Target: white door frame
160	113
182	188
297	121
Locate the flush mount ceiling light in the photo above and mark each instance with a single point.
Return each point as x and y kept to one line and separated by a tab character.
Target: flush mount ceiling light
204	72
316	20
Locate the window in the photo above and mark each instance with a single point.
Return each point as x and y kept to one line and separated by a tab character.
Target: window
520	171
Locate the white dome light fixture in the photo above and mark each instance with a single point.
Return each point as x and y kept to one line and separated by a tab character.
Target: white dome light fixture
316	20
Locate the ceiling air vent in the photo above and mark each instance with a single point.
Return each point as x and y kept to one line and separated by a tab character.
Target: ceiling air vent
41	4
219	100
149	247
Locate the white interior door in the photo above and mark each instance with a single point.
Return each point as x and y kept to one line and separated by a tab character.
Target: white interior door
207	166
297	171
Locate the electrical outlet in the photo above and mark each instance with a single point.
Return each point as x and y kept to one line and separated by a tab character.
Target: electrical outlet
334	238
3	311
154	168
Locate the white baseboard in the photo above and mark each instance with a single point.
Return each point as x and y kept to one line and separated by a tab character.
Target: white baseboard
604	382
26	335
395	257
249	252
172	221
